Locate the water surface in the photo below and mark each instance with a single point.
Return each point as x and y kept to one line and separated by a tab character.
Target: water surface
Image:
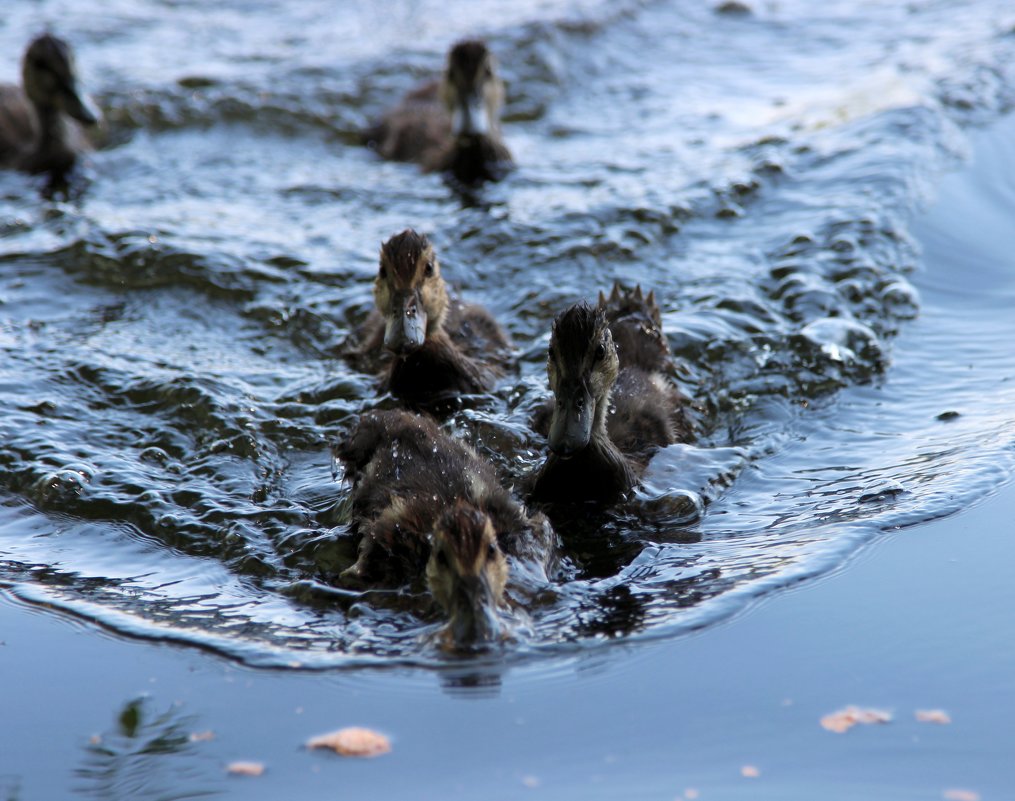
171	376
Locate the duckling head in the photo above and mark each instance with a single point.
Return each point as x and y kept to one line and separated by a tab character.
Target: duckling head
50	80
466	574
582	368
471	90
409	291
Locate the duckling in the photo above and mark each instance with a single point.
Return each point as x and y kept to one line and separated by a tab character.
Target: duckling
466	574
451	125
35	134
609	414
440	347
405	474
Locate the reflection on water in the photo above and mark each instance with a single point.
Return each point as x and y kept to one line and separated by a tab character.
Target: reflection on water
10	789
147	755
473	681
172	332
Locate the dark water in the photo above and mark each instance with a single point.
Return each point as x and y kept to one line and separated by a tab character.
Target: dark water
170	379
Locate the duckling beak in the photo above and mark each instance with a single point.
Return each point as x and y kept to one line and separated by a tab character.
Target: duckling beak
405	329
571	424
469	117
474	612
79	106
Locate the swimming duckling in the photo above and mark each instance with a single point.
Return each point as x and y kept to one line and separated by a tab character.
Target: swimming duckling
451	125
608	415
406	473
466	575
440	346
35	134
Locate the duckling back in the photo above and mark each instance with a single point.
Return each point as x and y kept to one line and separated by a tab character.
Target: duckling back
644	408
406	473
648	412
18	126
637	327
414	130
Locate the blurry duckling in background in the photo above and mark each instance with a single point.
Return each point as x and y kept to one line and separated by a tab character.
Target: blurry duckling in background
439	346
610	412
412	484
35	132
451	125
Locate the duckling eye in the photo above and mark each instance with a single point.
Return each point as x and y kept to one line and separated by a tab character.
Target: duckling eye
491	551
428	270
600	352
442	558
382	273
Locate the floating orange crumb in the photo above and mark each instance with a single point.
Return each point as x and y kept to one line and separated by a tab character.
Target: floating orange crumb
846	719
352	741
750	772
933	716
956	794
690	794
201	736
245	768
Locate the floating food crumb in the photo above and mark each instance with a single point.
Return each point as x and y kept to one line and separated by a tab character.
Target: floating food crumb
531	781
690	794
956	794
95	739
951	414
933	716
201	736
245	768
750	772
847	718
352	741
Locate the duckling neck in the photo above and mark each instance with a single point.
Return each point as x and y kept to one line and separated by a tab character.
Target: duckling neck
52	151
477	157
433	371
600	472
608	457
